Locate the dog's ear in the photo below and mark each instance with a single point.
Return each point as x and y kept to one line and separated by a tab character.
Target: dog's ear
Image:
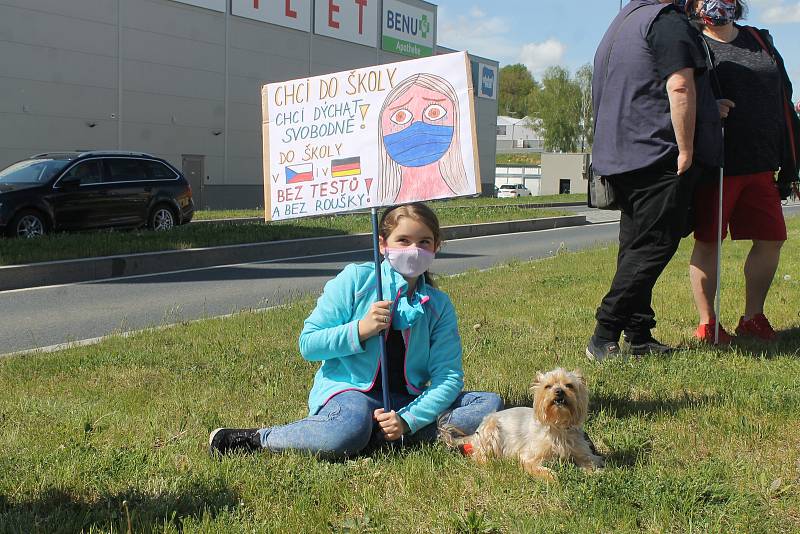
579	375
537	381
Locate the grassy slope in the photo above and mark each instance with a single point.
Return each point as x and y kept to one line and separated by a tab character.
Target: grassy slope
705	441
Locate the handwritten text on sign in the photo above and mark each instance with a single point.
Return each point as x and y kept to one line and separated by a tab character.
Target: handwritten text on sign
377	136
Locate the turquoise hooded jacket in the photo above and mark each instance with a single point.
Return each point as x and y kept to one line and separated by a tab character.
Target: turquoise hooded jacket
427	319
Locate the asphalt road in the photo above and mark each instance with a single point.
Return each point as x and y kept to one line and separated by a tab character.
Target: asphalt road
42	317
48	316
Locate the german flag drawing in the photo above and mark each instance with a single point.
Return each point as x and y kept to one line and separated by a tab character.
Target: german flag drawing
299	173
346	167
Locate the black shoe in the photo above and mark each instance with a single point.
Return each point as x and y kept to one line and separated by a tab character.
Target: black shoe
227	440
649	346
599	350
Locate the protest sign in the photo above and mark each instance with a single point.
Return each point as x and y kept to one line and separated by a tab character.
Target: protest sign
371	137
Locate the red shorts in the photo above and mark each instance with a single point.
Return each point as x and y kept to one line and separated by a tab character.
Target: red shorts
751	207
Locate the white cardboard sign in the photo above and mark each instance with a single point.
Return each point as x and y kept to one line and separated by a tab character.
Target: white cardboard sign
377	136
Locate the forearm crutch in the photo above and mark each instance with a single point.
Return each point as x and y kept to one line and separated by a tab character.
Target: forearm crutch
718	295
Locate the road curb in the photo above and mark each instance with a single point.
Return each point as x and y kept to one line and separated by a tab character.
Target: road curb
547	205
110	267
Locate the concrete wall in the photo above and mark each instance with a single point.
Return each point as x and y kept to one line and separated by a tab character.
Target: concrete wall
557	167
486	119
165	78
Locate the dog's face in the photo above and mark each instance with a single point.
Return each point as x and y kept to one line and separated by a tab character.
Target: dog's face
560	398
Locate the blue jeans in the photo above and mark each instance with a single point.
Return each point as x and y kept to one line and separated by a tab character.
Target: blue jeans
344	427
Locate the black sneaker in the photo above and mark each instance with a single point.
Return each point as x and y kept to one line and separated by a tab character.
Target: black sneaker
600	350
227	440
650	346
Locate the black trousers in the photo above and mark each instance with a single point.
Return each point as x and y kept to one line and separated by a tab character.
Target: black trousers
656	213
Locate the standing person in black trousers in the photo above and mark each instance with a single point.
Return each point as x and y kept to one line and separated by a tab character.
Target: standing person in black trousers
657	129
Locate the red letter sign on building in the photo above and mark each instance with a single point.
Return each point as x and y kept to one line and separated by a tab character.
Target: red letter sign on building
361	5
286	13
355	21
332	8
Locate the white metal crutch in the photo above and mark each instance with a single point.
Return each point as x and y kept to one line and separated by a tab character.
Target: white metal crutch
718	296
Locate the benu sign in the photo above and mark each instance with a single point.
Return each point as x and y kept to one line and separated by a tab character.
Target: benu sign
407	30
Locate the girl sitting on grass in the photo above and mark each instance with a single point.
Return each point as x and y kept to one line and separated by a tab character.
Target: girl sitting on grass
423	351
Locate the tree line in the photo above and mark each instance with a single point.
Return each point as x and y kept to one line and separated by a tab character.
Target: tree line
559	106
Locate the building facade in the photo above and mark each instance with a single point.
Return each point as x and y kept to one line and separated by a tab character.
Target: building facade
564	173
181	79
517	136
528	175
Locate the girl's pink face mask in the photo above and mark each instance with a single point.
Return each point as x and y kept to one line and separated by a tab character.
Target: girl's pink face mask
409	261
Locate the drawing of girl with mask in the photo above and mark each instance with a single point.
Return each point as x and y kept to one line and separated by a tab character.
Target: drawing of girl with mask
420	148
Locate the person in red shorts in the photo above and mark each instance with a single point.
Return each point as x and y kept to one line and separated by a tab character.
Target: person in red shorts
752	75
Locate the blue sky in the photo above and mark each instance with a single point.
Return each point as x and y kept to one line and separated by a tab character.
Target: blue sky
540	33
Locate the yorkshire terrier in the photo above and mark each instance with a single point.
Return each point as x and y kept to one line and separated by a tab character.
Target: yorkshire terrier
552	429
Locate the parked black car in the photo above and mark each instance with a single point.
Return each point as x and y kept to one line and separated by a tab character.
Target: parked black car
82	190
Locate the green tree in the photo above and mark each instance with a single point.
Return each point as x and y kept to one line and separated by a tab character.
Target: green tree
584	80
557	106
516	83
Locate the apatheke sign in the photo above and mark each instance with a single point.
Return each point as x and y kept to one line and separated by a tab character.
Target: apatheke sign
407	29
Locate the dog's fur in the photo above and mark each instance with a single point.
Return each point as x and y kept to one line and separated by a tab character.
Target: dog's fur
552	429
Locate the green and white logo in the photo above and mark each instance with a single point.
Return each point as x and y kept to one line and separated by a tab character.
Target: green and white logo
407	30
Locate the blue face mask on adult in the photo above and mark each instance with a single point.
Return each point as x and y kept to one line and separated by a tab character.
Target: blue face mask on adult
420	144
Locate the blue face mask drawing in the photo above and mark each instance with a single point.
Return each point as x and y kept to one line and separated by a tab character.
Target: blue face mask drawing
420	144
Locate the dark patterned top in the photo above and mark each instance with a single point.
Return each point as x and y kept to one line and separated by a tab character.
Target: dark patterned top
754	129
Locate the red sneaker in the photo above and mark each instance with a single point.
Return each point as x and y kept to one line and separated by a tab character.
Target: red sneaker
758	327
705	333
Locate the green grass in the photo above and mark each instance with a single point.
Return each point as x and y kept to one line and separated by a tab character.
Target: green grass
519	159
706	441
460	203
66	246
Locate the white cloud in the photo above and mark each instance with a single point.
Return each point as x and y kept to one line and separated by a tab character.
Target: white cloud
476	32
538	56
778	11
485	35
782	14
